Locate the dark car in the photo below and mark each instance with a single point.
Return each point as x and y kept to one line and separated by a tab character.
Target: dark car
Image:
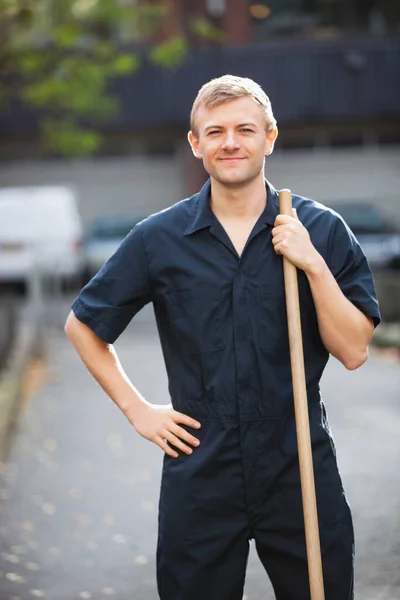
103	237
378	234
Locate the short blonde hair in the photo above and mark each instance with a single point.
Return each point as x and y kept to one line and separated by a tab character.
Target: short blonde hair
227	88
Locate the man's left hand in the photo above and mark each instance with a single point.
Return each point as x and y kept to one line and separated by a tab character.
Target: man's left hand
291	239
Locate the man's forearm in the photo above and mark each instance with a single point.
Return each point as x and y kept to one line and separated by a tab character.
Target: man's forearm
344	329
102	362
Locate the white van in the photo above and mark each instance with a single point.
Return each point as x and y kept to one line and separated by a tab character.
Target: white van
40	226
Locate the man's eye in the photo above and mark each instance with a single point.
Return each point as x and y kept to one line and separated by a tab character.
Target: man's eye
246	130
213	132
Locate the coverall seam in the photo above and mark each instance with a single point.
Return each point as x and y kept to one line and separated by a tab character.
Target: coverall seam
250	523
147	265
257	418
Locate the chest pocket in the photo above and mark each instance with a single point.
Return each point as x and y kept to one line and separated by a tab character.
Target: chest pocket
272	328
196	320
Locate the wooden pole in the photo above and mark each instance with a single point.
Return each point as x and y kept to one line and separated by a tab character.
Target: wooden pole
302	420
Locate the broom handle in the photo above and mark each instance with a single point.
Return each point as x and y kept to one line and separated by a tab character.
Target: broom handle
302	420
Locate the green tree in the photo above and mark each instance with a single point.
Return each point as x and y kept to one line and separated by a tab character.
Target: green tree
59	57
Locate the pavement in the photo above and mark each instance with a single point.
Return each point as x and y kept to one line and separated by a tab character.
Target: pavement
79	490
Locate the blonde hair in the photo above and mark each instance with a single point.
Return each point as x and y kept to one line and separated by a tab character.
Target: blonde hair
227	88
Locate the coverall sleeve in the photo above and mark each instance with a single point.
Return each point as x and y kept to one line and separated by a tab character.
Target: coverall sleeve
351	269
118	291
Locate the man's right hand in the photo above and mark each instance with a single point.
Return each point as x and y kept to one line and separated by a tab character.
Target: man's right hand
160	424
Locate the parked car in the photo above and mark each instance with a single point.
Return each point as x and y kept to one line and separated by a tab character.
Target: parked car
378	234
40	226
102	239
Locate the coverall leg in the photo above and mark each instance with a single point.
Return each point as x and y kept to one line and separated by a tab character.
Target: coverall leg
203	541
243	482
277	512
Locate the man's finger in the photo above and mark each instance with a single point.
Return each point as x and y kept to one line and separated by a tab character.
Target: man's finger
294	212
282	228
181	418
281	247
175	441
283	219
184	435
278	238
164	446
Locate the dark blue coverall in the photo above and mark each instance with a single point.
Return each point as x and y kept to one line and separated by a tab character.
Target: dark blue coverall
222	325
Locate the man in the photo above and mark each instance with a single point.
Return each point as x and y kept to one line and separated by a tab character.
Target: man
212	267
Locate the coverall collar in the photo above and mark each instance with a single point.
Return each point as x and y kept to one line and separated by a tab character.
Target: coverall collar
204	216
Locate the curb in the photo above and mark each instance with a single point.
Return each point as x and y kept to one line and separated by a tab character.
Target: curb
11	384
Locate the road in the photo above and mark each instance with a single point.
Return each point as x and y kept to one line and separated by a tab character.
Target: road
80	490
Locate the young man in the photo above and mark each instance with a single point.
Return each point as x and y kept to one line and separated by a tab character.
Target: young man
212	267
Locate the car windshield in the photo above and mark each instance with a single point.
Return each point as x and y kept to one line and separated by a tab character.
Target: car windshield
112	228
365	219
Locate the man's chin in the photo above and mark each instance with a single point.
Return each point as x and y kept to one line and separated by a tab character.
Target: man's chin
233	179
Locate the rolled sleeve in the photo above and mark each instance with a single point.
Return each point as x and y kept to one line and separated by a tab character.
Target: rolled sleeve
118	291
351	270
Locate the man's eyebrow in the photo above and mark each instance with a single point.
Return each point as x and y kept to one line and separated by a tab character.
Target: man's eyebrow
248	125
237	126
213	127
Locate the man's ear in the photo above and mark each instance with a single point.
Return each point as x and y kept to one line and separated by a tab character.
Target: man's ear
194	144
272	134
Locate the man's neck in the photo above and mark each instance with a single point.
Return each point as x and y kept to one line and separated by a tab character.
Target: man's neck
242	202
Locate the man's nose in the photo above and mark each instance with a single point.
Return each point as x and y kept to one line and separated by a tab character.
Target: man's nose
230	141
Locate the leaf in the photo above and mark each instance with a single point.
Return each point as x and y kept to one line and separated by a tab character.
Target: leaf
147	18
65	137
32	63
170	54
206	30
66	36
105	11
126	64
104	50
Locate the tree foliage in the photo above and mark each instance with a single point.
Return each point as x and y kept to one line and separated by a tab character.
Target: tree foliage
60	56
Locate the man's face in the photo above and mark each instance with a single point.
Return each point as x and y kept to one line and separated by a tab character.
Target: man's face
232	140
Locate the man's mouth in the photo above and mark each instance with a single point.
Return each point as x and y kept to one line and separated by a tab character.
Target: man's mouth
232	159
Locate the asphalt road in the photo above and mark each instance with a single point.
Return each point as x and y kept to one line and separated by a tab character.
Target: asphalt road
80	490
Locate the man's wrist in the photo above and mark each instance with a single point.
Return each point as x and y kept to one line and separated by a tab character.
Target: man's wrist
132	406
315	266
